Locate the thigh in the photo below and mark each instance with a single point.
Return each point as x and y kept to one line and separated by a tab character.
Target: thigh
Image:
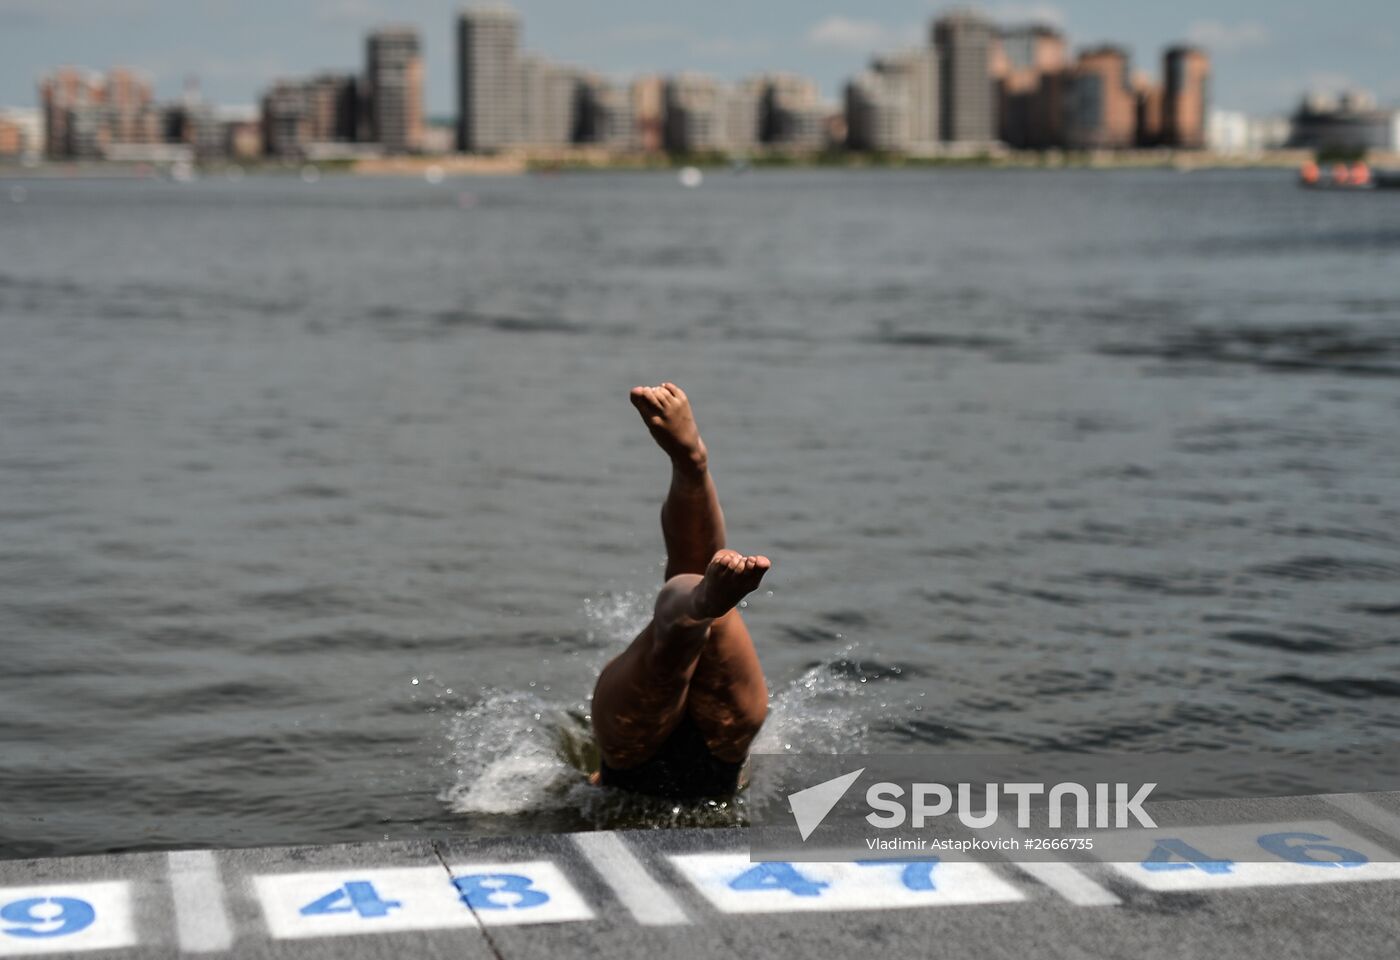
634	708
728	698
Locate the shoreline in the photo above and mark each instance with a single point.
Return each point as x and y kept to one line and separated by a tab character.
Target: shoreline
581	161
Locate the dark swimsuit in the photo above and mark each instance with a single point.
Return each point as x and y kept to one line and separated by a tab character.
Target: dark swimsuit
682	769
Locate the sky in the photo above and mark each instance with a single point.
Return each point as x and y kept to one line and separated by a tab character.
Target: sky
1266	53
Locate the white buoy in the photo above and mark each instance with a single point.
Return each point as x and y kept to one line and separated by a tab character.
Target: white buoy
310	173
690	177
434	174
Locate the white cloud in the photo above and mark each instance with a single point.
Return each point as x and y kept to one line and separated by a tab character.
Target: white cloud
1228	37
1047	13
727	48
637	35
651	36
854	36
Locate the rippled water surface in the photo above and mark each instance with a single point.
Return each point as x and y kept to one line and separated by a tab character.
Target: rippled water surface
321	504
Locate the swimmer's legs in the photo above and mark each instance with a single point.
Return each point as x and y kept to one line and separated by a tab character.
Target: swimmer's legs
643	693
728	695
691	520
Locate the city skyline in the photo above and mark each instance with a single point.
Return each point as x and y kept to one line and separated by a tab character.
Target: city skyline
1254	69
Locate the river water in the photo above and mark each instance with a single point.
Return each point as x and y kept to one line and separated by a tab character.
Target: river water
321	504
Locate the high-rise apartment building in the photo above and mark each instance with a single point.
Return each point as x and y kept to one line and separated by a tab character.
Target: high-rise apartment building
703	114
877	113
1186	97
743	112
329	108
1030	65
915	74
1149	111
394	89
605	114
23	131
333	107
1102	110
791	113
965	42
549	103
649	112
85	113
694	113
11	138
131	117
488	79
286	123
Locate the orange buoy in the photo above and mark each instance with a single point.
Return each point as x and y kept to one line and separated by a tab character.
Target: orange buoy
1309	173
1360	174
1341	176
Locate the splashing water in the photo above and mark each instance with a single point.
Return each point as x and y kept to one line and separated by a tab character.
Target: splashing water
518	754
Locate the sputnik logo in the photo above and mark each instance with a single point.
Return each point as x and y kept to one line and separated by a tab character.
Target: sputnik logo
810	806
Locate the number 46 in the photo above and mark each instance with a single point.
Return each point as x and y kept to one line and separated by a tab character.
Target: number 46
1285	846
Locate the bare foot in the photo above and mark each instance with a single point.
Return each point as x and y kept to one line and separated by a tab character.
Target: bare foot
666	412
729	578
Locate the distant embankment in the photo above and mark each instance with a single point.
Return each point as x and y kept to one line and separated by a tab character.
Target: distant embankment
452	165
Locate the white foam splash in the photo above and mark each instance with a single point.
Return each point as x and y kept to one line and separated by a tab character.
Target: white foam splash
515	752
506	755
819	712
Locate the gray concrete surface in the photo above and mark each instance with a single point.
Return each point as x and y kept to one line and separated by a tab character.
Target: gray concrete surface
693	893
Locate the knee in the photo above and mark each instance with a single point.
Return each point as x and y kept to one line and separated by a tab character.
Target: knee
673	602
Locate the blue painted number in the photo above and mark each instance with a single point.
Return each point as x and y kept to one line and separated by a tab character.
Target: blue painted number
1281	845
357	896
916	875
499	891
47	917
778	876
1161	858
